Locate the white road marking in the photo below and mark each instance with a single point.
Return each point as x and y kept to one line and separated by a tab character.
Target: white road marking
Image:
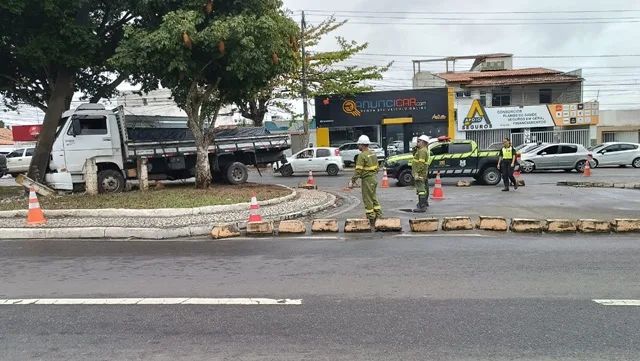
150	301
440	234
618	302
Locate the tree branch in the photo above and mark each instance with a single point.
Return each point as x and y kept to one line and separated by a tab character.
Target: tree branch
100	93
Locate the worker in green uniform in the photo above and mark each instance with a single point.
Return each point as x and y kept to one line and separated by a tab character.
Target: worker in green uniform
367	170
506	163
419	168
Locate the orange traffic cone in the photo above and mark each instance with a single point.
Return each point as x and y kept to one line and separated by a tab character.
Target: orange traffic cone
438	194
254	212
34	214
587	168
385	179
310	180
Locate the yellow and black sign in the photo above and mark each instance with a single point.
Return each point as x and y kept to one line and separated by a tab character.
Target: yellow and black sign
476	115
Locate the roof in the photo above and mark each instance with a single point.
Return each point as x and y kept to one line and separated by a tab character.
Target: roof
6	136
509	77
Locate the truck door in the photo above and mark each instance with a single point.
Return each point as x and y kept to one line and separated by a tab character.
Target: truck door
93	139
438	162
462	160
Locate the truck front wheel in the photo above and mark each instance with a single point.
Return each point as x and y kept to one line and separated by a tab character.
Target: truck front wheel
237	173
491	176
110	181
405	178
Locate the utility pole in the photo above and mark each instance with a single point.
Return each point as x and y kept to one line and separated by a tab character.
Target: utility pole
305	105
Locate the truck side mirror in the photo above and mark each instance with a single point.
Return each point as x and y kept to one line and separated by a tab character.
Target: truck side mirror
75	125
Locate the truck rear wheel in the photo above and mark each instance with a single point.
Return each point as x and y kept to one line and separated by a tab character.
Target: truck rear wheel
237	173
110	181
491	176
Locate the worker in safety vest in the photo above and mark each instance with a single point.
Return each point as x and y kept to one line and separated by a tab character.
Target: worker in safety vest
506	163
367	170
419	170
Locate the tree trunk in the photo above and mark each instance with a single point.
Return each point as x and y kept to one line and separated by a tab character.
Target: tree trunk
203	168
55	107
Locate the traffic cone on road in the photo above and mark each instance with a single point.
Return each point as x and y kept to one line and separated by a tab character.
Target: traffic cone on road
34	214
587	168
385	179
254	210
438	194
310	180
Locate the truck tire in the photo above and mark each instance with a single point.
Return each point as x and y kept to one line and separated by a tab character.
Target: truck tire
491	176
237	173
110	181
15	175
405	178
286	170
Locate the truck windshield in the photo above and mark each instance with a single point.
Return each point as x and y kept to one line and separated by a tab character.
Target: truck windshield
61	124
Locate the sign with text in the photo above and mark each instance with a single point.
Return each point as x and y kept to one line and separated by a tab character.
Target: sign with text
478	117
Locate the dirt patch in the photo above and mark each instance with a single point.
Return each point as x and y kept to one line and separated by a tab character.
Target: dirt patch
169	196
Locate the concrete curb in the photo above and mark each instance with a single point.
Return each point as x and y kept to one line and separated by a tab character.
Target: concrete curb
144	233
584	184
155	213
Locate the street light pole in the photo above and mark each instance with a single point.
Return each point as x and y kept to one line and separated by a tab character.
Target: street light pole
305	101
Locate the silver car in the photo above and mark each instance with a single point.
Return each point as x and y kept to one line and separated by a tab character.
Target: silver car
565	156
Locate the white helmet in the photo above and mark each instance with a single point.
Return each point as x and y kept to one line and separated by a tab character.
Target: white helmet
424	138
364	140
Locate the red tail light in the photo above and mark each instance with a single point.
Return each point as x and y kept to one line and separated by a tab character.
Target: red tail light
590	155
337	152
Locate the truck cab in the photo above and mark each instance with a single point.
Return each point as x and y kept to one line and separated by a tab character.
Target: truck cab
88	132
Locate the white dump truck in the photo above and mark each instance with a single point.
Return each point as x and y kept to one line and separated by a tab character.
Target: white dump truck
119	143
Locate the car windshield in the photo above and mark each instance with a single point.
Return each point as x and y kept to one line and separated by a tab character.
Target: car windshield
596	148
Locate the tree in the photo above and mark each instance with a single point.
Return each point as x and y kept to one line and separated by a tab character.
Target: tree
49	49
1	124
208	57
323	75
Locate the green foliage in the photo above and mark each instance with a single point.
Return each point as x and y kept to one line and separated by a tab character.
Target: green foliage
325	76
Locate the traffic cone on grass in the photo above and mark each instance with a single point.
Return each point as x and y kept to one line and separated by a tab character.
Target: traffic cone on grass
385	179
438	194
254	211
34	214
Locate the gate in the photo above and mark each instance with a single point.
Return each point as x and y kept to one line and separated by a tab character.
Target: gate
484	138
577	136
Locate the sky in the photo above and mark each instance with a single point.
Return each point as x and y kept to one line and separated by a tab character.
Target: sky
601	37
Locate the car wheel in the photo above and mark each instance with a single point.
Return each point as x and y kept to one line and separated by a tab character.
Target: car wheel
491	176
405	178
595	163
286	170
15	175
580	166
237	173
528	167
636	163
332	170
110	181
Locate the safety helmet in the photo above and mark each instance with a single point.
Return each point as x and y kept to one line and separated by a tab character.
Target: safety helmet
364	140
424	138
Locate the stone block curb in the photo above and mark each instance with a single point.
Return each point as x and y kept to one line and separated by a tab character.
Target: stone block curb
489	223
145	213
264	228
457	224
325	225
292	227
225	231
424	225
593	226
585	184
625	225
388	225
561	226
357	225
520	225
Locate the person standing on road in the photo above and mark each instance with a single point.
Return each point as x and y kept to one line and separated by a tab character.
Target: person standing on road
419	168
367	170
506	163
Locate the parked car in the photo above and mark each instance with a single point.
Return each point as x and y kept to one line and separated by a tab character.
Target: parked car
495	146
18	161
3	166
528	147
394	147
617	153
565	156
312	159
350	151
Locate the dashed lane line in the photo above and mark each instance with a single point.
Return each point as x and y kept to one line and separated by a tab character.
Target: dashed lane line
618	302
150	301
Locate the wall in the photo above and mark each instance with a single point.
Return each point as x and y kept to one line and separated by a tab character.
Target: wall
427	80
613	118
560	94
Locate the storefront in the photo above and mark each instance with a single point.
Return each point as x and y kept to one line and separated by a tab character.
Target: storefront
550	123
389	116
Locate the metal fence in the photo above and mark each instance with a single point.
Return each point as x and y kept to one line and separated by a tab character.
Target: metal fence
578	136
484	138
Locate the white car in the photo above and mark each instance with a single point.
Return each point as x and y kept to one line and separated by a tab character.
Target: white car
18	161
312	159
350	151
617	153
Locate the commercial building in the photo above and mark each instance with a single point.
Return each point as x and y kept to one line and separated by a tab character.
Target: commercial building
384	116
493	100
619	126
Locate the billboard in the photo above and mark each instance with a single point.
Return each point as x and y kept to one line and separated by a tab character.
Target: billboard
477	117
422	105
25	133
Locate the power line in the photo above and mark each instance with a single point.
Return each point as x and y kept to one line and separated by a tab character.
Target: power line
490	24
357	16
547	12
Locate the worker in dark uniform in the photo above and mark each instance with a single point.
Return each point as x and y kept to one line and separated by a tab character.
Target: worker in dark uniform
506	163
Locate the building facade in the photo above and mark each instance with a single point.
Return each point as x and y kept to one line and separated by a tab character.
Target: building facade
385	117
619	126
525	104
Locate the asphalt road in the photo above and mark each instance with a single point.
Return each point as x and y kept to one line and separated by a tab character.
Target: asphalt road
451	297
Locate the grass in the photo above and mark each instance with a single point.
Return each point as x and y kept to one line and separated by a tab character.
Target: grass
170	196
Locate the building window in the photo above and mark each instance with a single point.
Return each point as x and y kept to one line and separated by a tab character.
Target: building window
483	99
501	98
463	94
545	96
